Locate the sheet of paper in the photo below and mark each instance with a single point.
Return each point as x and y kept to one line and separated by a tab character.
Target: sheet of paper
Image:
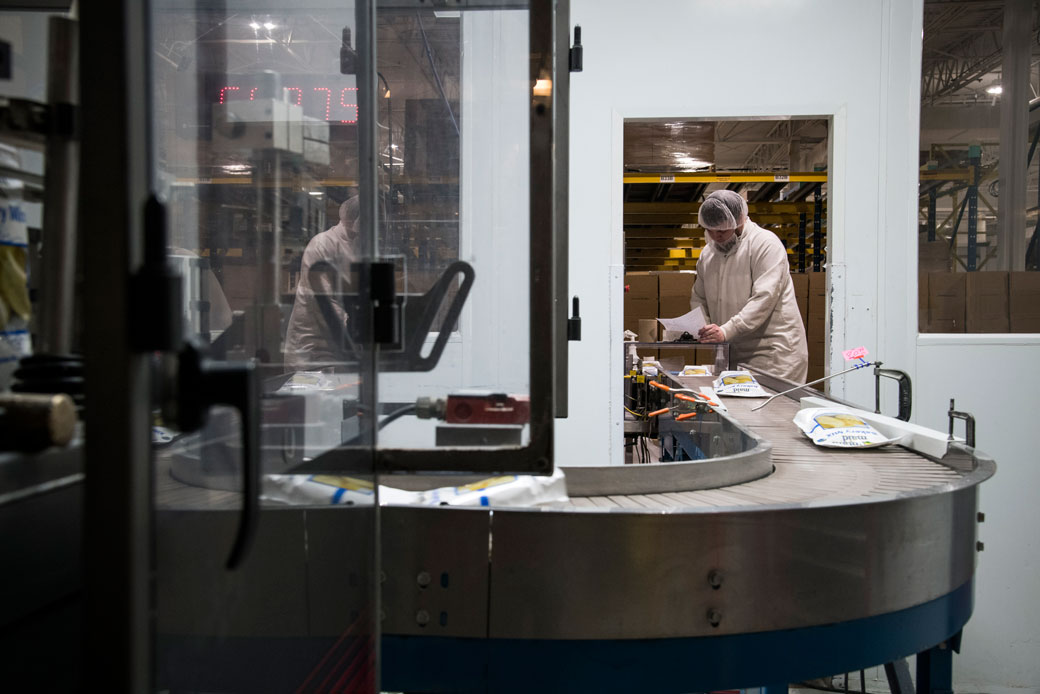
691	322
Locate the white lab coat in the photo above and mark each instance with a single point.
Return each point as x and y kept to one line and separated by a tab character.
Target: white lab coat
307	339
749	293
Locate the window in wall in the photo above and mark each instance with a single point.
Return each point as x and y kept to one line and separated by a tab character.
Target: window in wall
979	228
778	164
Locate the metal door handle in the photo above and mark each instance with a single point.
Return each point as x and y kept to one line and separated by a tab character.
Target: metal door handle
202	383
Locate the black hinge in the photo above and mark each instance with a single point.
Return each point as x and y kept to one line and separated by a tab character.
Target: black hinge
575	53
574	324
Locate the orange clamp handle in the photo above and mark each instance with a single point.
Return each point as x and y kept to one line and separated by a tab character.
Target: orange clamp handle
660	411
655	384
688	415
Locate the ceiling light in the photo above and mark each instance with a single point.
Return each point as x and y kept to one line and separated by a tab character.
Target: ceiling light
269	25
316	193
995	89
254	25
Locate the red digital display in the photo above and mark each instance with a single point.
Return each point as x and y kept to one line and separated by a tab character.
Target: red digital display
334	104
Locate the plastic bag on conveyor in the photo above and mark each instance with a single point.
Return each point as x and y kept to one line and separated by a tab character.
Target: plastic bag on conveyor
315	490
836	427
508	490
739	384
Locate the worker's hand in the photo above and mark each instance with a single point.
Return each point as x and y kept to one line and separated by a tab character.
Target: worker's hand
711	333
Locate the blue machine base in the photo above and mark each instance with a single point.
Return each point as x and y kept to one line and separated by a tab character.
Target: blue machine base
436	664
416	664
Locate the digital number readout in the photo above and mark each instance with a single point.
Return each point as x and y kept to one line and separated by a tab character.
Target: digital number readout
334	104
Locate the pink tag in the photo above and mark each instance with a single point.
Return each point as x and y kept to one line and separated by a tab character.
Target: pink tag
857	353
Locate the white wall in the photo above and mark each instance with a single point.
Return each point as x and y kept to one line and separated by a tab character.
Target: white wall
858	63
1001	647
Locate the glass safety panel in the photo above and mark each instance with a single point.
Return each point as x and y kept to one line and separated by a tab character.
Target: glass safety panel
454	179
256	154
450	226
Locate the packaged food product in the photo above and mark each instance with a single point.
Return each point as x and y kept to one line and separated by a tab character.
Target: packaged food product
837	427
507	490
740	384
696	370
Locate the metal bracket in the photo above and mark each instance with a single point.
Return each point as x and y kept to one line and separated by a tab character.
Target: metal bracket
969	424
387	312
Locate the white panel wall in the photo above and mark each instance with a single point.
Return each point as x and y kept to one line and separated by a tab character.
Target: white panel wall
858	63
997	378
726	60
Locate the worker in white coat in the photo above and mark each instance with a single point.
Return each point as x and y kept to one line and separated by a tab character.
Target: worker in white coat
310	341
744	288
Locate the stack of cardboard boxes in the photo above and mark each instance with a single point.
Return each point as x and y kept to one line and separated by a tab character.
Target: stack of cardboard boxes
641	304
978	302
948	302
667	295
810	289
652	295
675	290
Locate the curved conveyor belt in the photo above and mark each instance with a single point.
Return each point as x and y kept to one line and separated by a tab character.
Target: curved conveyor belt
819	562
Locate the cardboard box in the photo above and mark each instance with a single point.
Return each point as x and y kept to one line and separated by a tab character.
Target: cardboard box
641	285
946	302
922	302
817	299
676	284
817	308
239	285
675	359
640	307
801	294
674	306
1024	302
801	284
933	256
817	283
986	296
649	330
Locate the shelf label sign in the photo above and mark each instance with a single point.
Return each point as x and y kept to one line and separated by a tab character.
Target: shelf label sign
855	353
667	179
784	179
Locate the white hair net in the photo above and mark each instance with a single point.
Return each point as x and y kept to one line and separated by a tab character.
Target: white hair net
723	209
349	210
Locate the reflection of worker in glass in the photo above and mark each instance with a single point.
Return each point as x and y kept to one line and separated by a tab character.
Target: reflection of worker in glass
310	341
745	290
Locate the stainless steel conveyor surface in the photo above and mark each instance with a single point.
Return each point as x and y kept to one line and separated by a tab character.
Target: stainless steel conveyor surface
801	471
